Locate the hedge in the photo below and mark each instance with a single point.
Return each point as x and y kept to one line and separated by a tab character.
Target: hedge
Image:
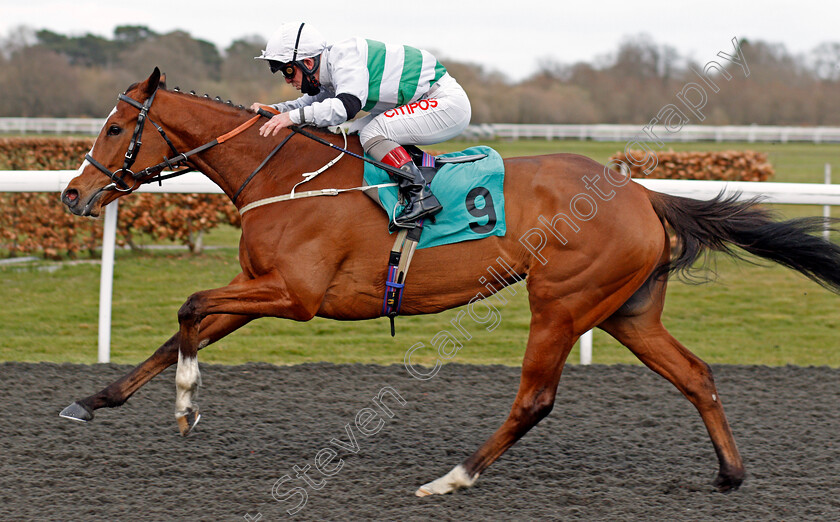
39	223
732	165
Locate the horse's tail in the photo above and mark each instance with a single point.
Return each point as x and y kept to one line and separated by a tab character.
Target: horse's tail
724	222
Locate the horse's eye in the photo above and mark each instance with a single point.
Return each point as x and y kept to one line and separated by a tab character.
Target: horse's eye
114	130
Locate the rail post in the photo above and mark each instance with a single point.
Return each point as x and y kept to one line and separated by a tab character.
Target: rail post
586	348
827	208
106	281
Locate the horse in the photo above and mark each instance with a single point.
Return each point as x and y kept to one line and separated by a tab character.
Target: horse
592	246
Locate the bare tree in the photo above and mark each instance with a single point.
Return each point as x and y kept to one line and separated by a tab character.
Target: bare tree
44	73
179	55
38	82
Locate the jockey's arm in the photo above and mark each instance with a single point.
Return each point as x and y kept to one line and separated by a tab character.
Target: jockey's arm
304	101
331	111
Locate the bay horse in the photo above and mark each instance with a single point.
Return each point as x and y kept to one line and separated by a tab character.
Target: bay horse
591	244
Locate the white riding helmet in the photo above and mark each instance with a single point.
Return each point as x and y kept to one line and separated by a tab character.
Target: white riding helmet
294	41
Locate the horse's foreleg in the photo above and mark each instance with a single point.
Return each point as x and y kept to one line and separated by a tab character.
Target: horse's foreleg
115	394
252	298
549	343
648	339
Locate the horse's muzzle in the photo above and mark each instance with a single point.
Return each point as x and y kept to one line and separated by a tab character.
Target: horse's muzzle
75	202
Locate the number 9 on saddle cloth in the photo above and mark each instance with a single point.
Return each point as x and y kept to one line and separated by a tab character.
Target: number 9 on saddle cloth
471	192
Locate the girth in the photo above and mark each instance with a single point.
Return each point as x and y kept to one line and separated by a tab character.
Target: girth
398	262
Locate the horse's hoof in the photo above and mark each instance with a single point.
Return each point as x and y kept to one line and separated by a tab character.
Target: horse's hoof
77	412
188	421
728	483
456	479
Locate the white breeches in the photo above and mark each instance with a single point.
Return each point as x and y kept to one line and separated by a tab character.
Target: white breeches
440	115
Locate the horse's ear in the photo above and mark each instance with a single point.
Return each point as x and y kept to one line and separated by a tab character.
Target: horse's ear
162	83
153	82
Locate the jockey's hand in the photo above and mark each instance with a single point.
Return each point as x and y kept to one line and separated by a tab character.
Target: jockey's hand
276	123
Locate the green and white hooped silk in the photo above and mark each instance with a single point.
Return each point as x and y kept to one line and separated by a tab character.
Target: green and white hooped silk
398	75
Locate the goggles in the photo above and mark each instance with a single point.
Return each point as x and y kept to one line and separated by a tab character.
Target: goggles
288	69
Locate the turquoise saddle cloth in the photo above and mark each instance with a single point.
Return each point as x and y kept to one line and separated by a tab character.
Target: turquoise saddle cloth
471	193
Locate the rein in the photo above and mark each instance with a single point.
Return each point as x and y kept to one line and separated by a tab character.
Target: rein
271	112
309	176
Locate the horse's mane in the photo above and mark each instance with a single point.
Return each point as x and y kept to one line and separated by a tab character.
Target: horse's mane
245	111
206	96
241	108
218	99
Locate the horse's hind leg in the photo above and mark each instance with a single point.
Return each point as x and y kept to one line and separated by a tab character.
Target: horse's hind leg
549	343
115	394
637	326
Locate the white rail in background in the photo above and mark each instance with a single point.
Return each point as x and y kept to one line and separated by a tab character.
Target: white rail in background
513	131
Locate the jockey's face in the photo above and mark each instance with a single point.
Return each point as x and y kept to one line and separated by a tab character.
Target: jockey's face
297	79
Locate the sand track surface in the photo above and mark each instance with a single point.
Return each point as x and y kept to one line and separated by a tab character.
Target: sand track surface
621	444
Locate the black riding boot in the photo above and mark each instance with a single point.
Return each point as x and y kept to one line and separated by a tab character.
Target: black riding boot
421	203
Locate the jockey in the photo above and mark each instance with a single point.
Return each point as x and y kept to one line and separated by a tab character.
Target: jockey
410	98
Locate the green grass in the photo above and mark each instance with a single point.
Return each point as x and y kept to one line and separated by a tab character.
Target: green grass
793	162
751	315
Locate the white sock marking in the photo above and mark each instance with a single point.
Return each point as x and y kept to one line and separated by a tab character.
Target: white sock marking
455	479
187	378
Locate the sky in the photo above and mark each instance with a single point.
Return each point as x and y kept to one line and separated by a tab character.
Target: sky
502	36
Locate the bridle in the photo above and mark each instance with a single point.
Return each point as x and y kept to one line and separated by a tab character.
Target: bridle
180	160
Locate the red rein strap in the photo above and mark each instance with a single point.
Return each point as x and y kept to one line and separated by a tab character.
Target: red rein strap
239	130
269	109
